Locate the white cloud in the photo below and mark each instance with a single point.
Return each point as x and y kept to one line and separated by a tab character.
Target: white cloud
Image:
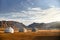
48	15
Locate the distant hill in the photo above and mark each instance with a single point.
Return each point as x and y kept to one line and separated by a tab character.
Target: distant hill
40	26
36	25
52	25
11	23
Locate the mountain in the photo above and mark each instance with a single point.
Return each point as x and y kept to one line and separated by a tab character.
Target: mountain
49	26
11	23
40	26
53	25
36	25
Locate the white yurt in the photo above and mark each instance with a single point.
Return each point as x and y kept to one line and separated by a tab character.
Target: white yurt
9	30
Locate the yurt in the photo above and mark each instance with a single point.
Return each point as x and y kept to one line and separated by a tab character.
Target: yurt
34	29
9	30
22	30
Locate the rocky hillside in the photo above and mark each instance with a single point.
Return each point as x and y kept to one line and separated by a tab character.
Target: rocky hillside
11	23
14	24
52	25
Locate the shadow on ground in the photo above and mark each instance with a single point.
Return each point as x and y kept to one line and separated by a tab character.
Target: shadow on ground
46	38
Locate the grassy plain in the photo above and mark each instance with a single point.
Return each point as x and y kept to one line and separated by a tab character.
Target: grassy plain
40	35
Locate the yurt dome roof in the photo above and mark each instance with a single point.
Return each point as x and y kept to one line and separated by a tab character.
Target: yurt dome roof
9	30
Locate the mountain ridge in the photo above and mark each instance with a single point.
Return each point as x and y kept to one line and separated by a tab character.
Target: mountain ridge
14	24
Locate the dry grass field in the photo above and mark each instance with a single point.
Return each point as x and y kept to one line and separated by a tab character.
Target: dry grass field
40	35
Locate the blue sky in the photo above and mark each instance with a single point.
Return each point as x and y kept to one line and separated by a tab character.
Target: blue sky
28	11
